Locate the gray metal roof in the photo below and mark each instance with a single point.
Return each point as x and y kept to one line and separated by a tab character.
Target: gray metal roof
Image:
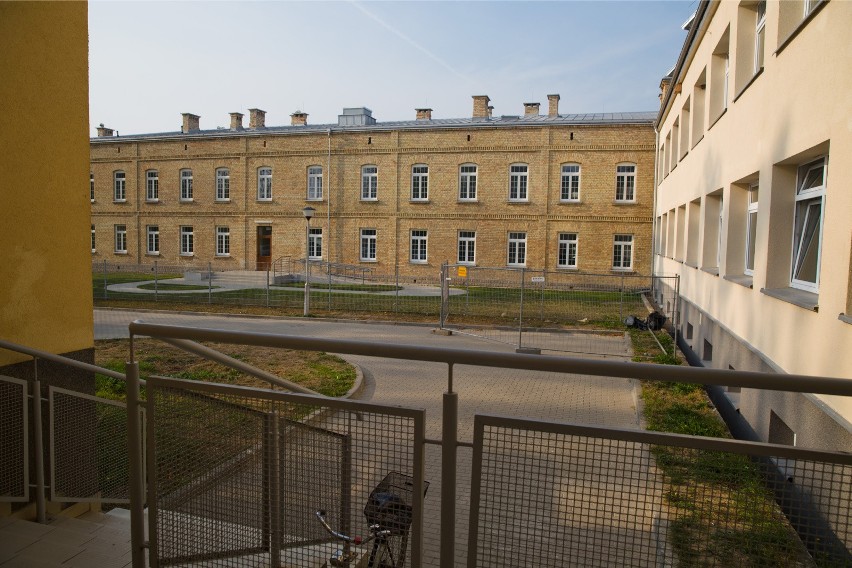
507	121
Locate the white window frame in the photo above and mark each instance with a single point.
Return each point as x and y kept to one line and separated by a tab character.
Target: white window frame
567	248
92	187
223	184
186	184
369	182
119	186
314	183
569	191
517	249
751	227
152	186
519	182
727	80
223	241
622	244
420	182
264	183
152	240
419	246
806	199
315	243
187	240
467	248
759	35
368	244
93	239
468	179
120	232
625	183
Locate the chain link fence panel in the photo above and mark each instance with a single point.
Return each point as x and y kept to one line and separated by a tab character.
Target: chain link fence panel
14	440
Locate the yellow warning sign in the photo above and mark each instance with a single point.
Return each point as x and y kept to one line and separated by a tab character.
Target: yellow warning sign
462	271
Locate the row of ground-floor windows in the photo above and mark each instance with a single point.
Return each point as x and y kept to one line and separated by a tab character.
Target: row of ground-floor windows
567	251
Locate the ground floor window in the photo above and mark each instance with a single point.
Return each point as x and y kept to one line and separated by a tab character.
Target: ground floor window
418	246
467	247
187	241
315	244
368	244
622	252
567	253
121	238
223	241
517	249
153	239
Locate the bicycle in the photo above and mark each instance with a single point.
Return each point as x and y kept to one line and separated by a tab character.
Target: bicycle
389	516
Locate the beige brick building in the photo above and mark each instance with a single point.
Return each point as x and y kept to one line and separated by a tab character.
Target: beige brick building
555	191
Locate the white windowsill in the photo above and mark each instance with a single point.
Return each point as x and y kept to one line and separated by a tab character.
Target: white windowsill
190	200
121	252
187	254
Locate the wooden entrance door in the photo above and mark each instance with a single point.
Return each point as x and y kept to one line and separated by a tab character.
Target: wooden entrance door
264	247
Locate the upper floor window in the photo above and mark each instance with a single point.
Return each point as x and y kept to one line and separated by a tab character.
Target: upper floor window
467	247
186	185
264	184
517	249
315	183
807	225
152	185
93	239
119	187
420	182
315	243
418	246
567	252
570	182
467	182
223	184
518	182
751	229
625	182
759	35
92	187
622	252
369	183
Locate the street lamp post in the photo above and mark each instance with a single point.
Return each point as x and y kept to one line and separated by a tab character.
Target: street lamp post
308	212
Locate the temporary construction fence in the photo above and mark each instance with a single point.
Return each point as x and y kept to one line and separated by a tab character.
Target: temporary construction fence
552	310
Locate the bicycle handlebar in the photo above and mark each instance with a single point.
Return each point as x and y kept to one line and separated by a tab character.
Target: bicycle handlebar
357	540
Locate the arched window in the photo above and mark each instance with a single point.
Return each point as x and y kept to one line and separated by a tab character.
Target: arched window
315	183
467	182
570	186
119	186
186	185
369	183
223	184
152	185
419	182
264	183
518	181
625	182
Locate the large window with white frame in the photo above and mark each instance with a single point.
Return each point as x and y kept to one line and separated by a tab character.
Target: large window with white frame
807	225
223	241
622	252
420	182
570	182
119	186
368	245
315	243
369	183
518	181
517	253
264	184
152	185
92	187
566	254
93	239
223	184
186	185
121	239
315	183
418	246
467	247
751	228
187	241
625	183
467	182
152	239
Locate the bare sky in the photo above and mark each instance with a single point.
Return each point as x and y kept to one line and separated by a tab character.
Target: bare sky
151	61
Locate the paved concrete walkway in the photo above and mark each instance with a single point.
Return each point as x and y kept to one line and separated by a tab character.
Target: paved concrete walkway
554	396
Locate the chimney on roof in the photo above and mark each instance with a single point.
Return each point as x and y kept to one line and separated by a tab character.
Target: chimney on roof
257	118
531	109
424	113
236	121
299	118
553	105
104	131
190	123
480	106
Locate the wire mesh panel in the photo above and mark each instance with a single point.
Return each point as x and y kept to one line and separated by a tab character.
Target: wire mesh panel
546	494
14	430
89	451
239	473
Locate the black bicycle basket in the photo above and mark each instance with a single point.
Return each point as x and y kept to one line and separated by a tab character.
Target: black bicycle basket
389	504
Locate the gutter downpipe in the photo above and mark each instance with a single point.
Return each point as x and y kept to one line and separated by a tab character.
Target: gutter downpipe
654	210
328	208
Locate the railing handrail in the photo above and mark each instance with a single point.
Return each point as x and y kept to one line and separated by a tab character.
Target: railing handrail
38	353
559	364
